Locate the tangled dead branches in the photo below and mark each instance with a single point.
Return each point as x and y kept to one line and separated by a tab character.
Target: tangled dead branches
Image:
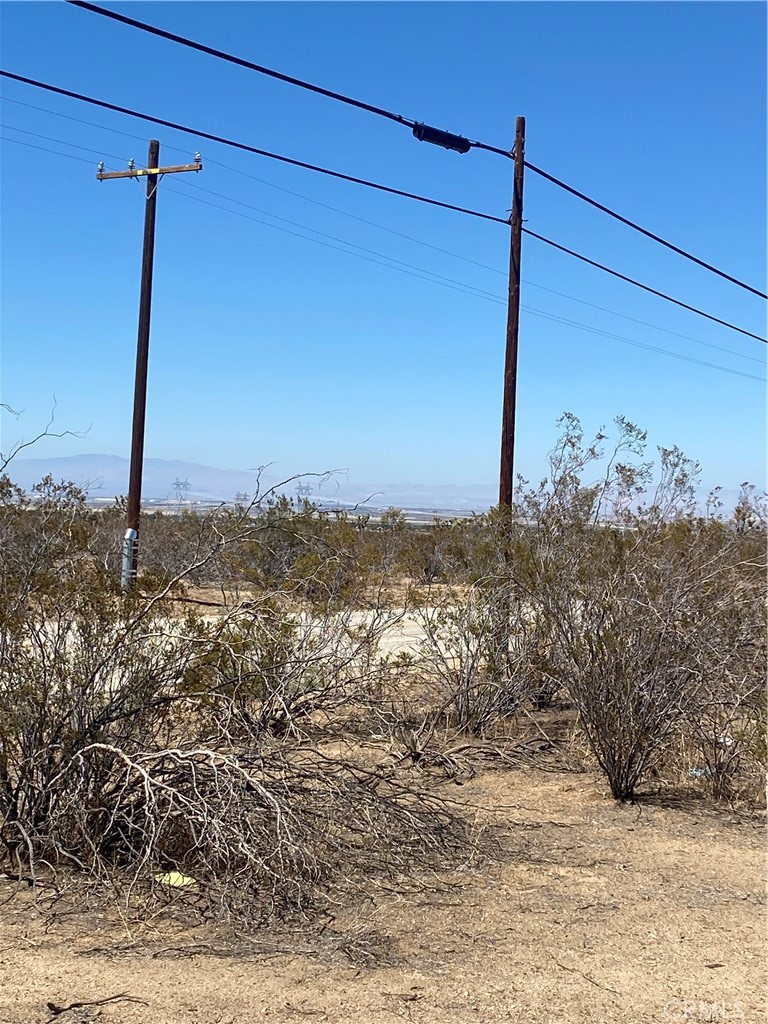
237	835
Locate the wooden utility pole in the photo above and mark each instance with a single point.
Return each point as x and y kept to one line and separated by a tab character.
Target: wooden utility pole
153	174
507	474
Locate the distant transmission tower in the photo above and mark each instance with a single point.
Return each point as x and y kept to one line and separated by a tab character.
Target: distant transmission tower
241	497
303	491
181	487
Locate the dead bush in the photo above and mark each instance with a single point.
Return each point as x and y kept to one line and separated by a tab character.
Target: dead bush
238	835
144	753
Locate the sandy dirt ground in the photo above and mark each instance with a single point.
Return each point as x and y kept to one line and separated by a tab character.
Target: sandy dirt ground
595	912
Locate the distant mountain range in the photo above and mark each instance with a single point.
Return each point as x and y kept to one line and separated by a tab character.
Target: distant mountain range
105	476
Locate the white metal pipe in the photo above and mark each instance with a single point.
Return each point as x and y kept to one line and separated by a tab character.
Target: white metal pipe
129	550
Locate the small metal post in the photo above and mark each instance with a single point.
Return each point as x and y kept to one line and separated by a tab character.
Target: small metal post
129	559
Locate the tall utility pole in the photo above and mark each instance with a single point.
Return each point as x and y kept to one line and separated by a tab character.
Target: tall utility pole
507	474
153	174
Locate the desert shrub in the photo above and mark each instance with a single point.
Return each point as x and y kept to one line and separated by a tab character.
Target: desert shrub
727	721
137	742
76	664
284	671
140	739
634	597
477	672
325	560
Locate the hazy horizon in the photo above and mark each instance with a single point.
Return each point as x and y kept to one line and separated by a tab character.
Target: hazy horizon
105	476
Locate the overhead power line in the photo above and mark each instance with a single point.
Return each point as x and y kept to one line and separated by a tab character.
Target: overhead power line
446	282
439	278
447	252
333	238
478	294
641	344
45	149
400	119
248	149
198	133
80	120
271	184
363	220
476	263
645	287
60	142
422	273
232	59
173	37
642	230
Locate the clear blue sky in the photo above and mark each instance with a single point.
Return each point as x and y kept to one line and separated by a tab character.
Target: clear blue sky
267	347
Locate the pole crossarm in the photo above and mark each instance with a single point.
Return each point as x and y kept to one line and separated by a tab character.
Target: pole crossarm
141	172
